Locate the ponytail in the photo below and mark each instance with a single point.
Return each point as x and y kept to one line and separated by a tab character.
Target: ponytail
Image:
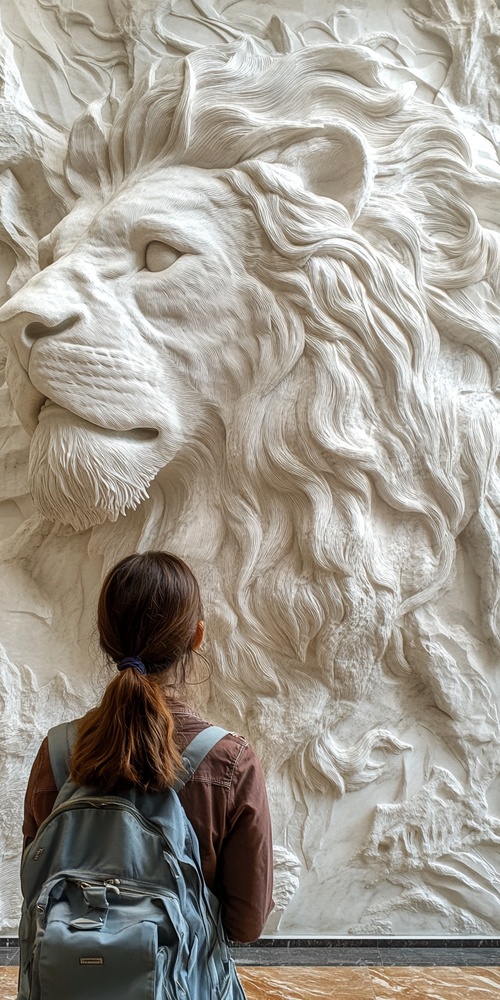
128	740
149	620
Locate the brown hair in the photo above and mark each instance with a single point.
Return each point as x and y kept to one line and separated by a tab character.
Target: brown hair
149	607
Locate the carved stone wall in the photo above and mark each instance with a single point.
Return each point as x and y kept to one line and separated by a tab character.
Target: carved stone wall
250	265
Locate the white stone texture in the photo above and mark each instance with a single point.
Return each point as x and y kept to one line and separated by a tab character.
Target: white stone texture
251	259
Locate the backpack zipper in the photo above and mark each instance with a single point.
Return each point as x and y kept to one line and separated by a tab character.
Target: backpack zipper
116	801
75	877
117	885
102	803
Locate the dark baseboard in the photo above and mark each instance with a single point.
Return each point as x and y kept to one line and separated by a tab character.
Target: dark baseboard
320	952
373	942
326	942
403	952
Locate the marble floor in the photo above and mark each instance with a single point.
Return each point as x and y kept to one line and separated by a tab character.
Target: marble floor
349	983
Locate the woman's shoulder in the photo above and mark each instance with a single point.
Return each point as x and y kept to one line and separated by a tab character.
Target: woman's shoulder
224	759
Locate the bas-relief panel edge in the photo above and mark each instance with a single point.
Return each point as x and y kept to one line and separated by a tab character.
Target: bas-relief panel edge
382	778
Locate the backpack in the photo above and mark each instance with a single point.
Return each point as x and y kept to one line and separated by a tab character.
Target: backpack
115	903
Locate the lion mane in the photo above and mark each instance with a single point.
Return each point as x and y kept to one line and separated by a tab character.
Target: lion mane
350	448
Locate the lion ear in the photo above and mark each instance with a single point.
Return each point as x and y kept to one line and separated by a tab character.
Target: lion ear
87	161
334	163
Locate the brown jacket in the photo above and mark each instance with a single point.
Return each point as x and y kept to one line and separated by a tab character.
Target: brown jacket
226	802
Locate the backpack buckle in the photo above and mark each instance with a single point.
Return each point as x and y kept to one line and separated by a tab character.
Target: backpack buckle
188	767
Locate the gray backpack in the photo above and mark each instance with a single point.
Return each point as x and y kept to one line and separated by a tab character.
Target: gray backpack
115	903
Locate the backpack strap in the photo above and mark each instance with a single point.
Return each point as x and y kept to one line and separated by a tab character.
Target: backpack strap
61	741
197	750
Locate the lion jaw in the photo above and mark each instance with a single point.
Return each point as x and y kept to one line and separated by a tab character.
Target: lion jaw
81	475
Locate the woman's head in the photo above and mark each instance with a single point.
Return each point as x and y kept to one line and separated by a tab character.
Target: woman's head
150	607
149	610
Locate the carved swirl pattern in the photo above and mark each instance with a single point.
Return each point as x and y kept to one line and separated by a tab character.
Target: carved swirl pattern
251	316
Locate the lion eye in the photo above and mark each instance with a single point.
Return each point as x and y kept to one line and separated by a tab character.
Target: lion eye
159	256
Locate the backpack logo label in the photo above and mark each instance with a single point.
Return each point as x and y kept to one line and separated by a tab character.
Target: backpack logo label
91	961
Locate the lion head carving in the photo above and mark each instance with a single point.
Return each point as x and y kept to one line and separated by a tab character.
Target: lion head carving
270	262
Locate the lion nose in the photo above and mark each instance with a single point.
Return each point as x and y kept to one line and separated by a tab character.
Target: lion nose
38	329
22	331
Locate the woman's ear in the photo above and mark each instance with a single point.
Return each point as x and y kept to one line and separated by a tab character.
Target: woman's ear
198	635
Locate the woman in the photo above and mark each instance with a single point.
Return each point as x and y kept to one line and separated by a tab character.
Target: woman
150	624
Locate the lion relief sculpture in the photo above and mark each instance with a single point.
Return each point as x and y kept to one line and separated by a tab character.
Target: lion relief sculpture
266	300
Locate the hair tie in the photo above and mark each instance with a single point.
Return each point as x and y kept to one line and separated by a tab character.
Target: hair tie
132	661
